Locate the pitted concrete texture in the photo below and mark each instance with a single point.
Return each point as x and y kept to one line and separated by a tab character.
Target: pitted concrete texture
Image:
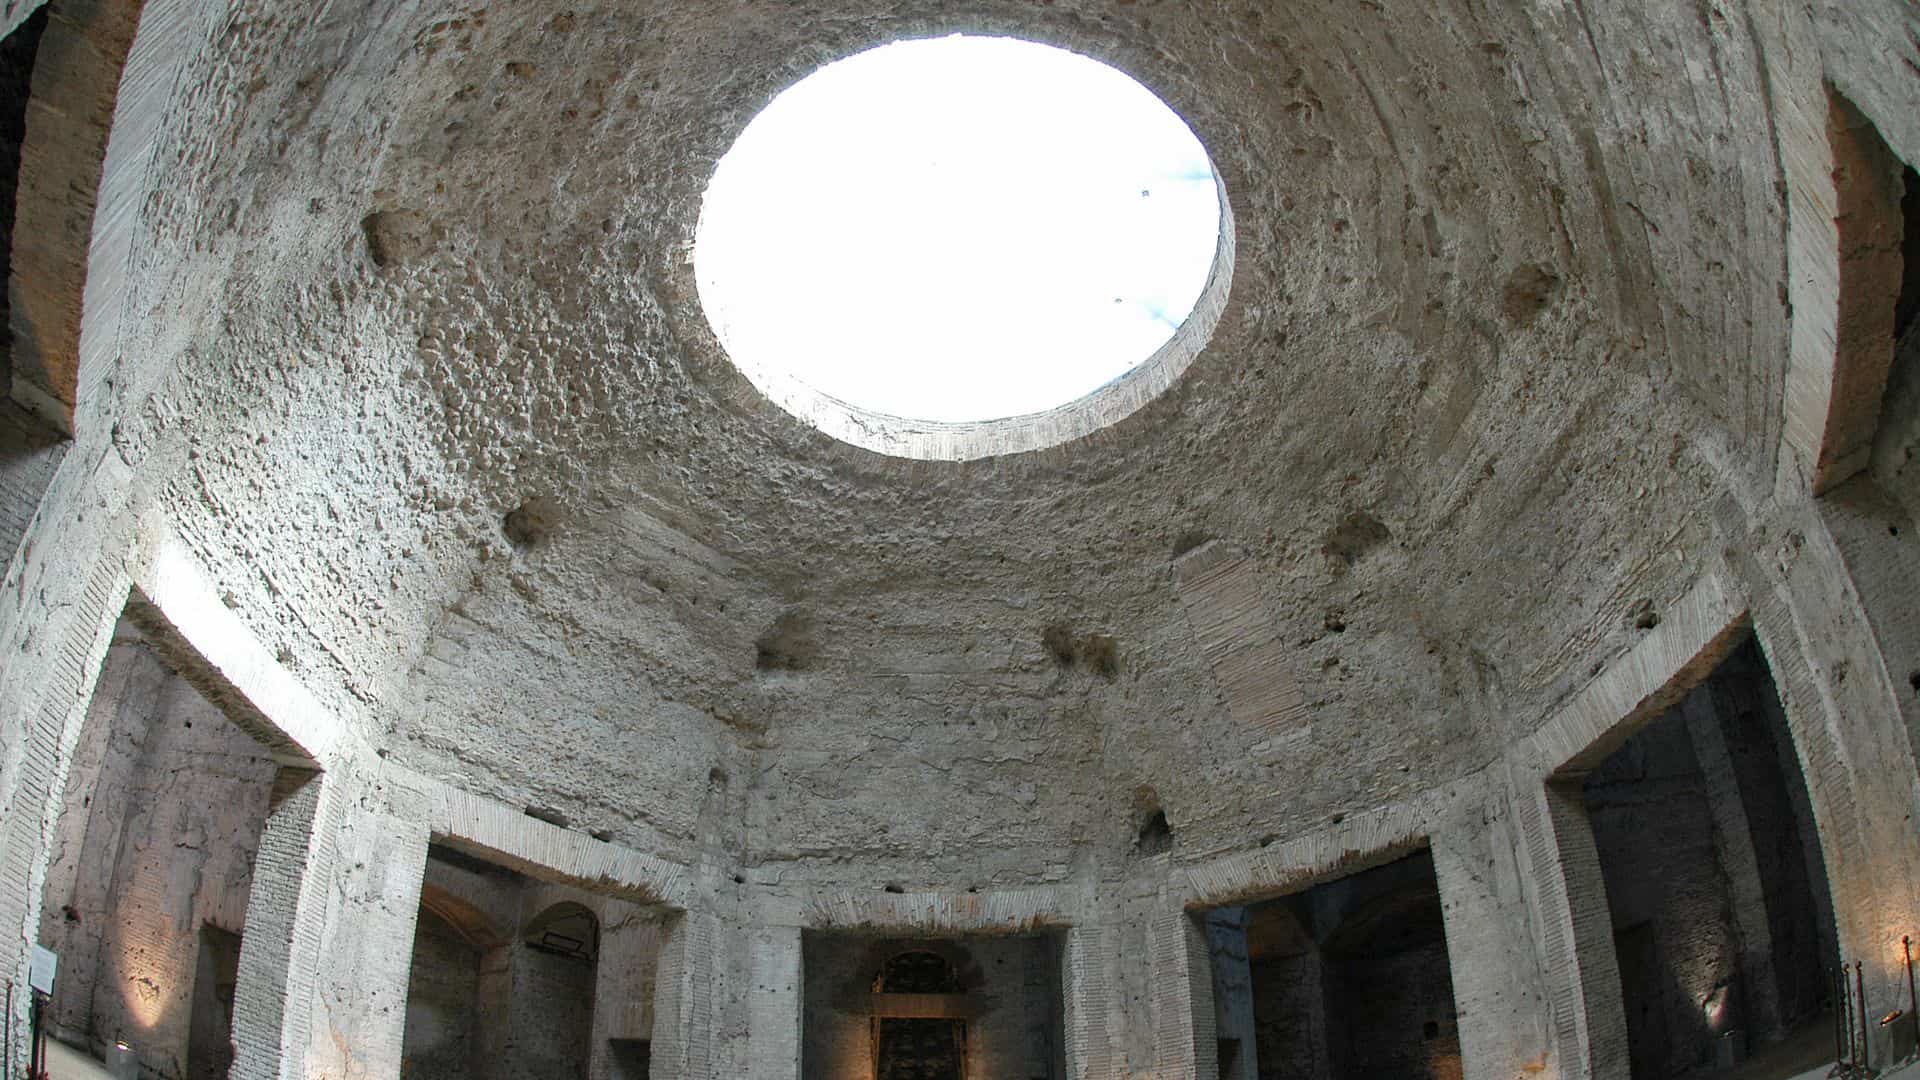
505	335
391	394
1419	366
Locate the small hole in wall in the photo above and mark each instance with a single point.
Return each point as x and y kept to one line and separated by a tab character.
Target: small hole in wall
1643	616
1102	654
892	888
1893	531
528	525
790	644
1156	836
1190	540
1058	639
1913	680
739	879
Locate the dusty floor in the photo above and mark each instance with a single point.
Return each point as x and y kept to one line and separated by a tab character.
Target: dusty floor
66	1063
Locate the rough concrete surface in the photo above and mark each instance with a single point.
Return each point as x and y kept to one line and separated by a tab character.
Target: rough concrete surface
380	316
527	342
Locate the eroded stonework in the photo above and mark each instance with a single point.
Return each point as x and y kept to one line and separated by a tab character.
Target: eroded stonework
389	335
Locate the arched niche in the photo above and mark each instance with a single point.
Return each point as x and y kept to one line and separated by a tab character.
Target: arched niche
566	929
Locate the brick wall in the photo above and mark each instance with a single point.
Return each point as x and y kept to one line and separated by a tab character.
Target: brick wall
156	839
443	1014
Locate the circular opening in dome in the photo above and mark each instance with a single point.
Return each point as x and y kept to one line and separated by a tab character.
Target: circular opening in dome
962	246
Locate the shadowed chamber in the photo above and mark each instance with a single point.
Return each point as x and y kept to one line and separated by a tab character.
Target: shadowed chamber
1468	630
1345	981
513	978
893	1008
1715	881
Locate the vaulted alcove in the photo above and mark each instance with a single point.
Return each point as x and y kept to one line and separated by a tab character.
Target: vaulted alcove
1346	980
146	899
900	1008
1717	889
514	978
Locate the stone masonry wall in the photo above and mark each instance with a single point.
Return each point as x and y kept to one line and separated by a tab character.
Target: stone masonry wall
1350	979
1669	898
29	453
1393	1015
443	1005
156	840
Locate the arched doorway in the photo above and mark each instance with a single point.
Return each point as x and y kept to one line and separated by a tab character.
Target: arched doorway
919	1049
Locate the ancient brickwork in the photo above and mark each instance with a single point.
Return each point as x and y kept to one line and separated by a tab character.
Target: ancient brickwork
155	840
1538	387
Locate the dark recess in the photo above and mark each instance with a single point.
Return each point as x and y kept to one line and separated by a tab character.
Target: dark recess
1156	836
17	52
1909	305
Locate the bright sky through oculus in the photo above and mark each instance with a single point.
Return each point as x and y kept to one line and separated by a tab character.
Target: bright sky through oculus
960	228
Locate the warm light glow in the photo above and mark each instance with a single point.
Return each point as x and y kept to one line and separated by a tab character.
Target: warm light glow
956	229
144	1004
1714	1008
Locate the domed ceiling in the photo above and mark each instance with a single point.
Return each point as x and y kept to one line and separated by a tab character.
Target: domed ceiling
450	428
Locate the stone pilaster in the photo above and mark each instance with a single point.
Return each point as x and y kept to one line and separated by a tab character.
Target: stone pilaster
1505	1027
337	892
684	1005
1181	985
1086	989
1569	897
774	1004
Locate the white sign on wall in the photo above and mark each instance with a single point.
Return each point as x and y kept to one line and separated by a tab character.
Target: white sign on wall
40	971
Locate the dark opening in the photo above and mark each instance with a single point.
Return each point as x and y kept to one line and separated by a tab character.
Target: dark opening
919	1048
1909	304
904	1007
508	972
1229	1058
441	1037
17	53
1156	836
630	1057
1347	980
1722	925
210	1025
566	929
